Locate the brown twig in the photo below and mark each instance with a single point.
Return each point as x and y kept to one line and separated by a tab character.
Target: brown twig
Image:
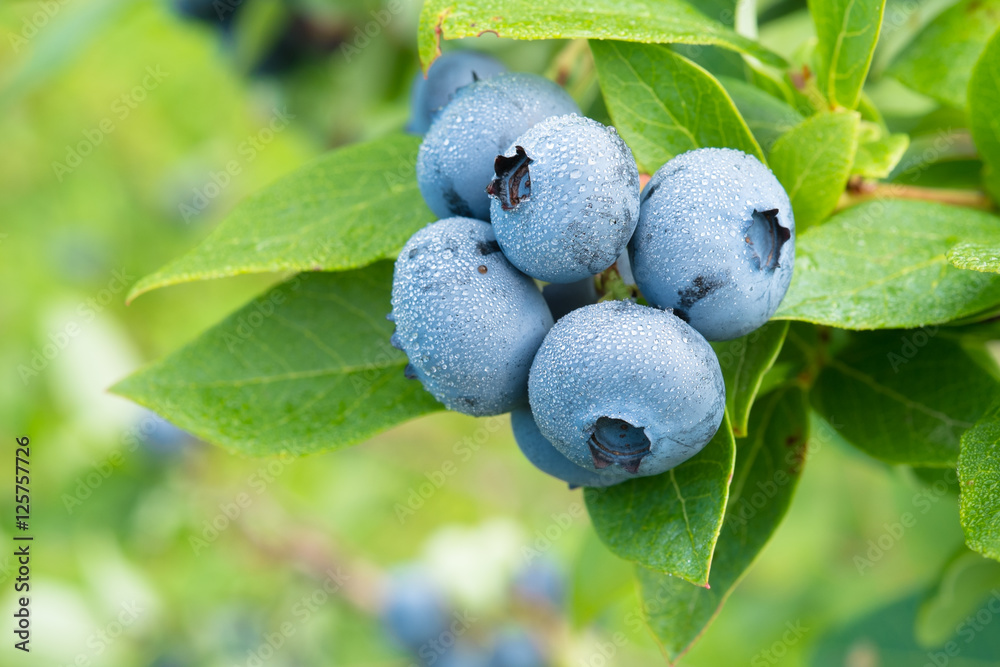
860	190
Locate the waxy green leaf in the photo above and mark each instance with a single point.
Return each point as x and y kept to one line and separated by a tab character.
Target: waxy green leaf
768	467
663	104
349	208
847	31
939	60
648	21
305	367
979	480
813	161
884	265
904	396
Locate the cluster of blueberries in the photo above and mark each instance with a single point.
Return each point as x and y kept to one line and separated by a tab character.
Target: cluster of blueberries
418	616
527	189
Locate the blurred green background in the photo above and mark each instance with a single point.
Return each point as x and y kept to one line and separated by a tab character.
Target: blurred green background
116	119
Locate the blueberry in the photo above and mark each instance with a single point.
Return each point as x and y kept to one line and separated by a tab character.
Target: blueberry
551	461
414	611
468	321
515	648
455	163
619	384
448	73
160	437
541	583
566	297
715	241
565	199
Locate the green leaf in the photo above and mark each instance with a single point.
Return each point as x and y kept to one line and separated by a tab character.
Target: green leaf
984	122
847	31
648	21
744	363
801	357
663	104
345	210
305	367
877	157
767	116
768	467
723	11
813	161
884	264
903	396
976	257
979	476
939	60
669	522
887	633
963	586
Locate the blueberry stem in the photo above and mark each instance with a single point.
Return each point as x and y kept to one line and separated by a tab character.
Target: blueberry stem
612	287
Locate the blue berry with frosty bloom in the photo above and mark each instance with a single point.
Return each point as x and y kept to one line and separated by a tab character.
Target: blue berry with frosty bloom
455	162
468	321
715	241
565	199
619	386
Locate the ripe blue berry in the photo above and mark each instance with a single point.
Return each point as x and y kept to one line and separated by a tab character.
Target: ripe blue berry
455	163
544	456
541	583
565	199
161	438
414	611
514	647
468	321
623	385
715	241
566	297
448	73
459	654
